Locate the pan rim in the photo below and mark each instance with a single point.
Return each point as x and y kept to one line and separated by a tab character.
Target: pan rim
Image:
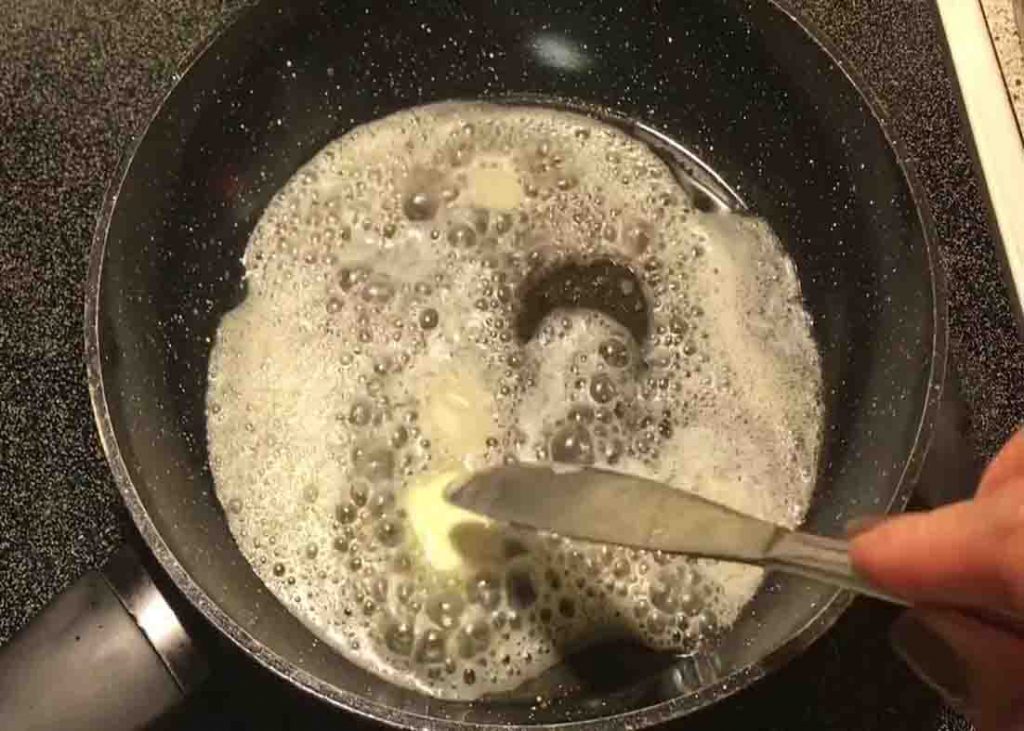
347	700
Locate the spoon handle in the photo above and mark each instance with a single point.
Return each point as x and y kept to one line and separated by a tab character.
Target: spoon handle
822	559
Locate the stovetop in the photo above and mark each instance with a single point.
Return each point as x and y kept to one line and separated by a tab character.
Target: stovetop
78	78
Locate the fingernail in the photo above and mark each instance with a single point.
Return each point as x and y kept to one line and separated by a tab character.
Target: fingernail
931	658
856	526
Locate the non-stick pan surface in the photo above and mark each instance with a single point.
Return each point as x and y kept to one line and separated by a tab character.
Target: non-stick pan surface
740	84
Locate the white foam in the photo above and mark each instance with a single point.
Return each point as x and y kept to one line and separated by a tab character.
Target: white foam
375	349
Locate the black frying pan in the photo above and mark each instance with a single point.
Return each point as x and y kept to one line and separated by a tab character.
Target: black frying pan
740	84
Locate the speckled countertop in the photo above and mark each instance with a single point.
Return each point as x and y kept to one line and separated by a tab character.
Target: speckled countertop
77	79
1003	27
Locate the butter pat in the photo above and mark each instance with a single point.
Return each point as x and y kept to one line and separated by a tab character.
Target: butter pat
456	413
493	183
452	539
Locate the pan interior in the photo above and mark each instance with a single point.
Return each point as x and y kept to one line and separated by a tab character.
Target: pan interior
744	89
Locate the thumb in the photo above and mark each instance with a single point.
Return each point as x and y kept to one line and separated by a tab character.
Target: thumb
978	668
968	554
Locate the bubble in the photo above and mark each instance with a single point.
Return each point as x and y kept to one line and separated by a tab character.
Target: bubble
419	205
460	155
572	444
690	600
378	290
614	352
379	589
360	413
602	389
642	444
346	513
381	503
358	494
279	569
462	236
637	238
399	637
612	451
374	462
703	625
428	318
641	608
389	533
657	623
432	647
445	609
484	590
235	505
481	219
473	638
399	436
580	414
513	619
349	278
665	598
406	593
520	589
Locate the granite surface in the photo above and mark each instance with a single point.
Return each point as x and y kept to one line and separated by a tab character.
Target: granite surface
1009	43
77	79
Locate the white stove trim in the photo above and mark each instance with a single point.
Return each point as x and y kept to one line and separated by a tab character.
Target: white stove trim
998	144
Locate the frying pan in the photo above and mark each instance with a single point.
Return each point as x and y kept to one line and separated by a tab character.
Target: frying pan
755	102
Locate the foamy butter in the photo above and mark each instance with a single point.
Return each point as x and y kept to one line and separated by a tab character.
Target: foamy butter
374	361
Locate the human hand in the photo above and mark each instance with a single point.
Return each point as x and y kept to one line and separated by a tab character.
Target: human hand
962	568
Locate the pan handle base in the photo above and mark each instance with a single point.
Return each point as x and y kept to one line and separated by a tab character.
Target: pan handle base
108	653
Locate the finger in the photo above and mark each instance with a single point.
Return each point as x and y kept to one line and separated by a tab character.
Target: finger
967	554
1006	467
977	668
